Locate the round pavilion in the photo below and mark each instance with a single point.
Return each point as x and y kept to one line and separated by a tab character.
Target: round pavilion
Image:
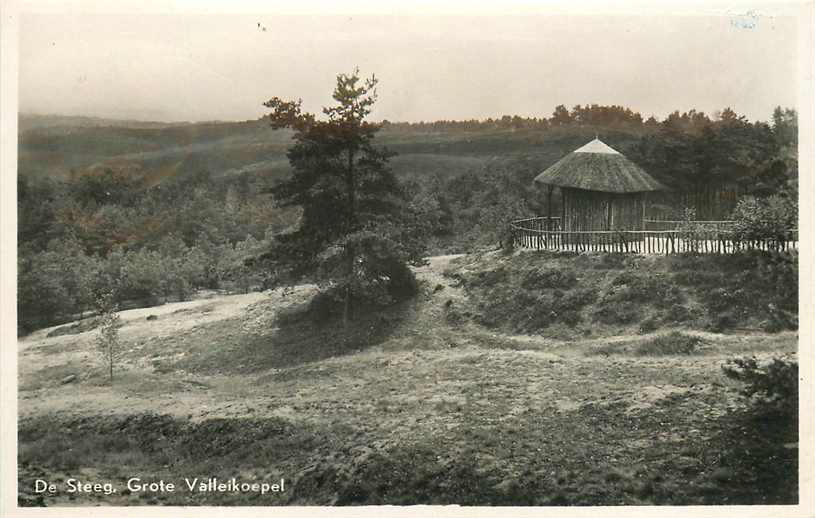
601	189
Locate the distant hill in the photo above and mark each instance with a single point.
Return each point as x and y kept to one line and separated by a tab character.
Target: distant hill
61	146
27	121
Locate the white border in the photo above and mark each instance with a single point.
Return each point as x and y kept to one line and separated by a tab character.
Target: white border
9	13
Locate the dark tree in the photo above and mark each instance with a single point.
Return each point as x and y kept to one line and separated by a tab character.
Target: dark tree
561	116
354	236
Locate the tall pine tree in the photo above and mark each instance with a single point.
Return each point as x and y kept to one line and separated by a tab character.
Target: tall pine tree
355	236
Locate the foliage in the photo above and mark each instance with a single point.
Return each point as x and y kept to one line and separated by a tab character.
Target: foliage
63	282
107	340
108	188
148	242
599	293
773	383
693	232
765	218
53	284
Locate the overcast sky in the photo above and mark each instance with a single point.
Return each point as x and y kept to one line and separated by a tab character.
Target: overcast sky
207	67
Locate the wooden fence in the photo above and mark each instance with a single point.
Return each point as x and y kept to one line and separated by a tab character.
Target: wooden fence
532	233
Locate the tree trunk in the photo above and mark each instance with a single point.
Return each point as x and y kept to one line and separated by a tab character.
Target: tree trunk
111	369
549	190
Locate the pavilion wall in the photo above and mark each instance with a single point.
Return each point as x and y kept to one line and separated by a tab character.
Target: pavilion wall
591	210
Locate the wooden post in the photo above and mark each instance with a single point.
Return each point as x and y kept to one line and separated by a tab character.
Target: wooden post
549	190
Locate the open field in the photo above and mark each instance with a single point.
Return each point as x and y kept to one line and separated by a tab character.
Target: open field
420	404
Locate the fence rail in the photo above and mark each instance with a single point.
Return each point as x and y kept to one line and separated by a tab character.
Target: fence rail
530	233
540	223
665	224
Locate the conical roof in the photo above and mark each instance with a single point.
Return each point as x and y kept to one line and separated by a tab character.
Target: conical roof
598	167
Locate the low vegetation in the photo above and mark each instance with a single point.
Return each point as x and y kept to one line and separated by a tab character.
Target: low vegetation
410	406
562	295
672	343
771	385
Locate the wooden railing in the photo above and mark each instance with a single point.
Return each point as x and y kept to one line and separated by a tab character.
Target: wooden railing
660	224
528	233
540	223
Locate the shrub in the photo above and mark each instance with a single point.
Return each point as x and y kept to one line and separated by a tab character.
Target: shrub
648	325
543	278
453	315
487	278
679	314
779	271
673	343
773	383
507	239
719	322
620	313
631	286
765	218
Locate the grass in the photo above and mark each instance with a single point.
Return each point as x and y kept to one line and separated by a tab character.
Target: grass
295	339
475	425
151	444
673	343
414	406
484	442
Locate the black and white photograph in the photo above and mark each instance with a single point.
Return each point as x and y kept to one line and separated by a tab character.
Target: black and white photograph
527	258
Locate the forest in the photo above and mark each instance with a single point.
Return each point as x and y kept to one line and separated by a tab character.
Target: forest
154	213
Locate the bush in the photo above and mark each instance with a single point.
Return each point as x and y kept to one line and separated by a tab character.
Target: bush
773	384
648	325
487	278
631	286
507	240
616	313
765	218
543	278
673	343
753	289
453	315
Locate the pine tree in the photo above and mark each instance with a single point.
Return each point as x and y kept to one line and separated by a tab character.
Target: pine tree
353	236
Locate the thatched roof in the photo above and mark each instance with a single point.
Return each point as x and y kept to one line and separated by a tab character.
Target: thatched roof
598	167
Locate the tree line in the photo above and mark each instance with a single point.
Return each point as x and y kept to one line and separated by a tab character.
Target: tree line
589	115
144	244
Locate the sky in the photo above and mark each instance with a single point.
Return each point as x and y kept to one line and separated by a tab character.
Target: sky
223	67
